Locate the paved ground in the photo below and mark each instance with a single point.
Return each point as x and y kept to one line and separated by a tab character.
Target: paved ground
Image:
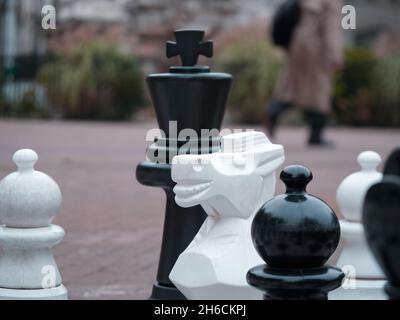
113	224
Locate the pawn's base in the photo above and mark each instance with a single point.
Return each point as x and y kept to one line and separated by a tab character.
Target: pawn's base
57	293
295	284
161	292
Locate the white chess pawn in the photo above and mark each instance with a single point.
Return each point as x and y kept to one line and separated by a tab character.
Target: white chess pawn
231	185
29	201
354	256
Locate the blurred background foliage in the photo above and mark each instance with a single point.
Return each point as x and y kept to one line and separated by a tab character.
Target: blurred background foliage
387	90
93	81
26	106
92	66
255	66
20	97
366	91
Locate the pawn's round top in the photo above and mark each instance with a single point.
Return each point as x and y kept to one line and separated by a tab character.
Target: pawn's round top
369	160
296	178
25	159
351	192
295	229
28	198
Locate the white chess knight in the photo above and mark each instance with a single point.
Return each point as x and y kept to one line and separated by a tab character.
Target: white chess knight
231	185
29	200
354	255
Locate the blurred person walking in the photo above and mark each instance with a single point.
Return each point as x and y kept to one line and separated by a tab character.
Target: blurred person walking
315	52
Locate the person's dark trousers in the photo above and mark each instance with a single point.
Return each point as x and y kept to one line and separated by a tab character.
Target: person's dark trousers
317	122
274	111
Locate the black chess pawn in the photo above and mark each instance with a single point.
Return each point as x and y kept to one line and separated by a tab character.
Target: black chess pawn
381	217
295	234
192	97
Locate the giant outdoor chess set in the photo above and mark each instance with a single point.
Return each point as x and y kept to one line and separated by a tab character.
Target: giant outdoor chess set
226	235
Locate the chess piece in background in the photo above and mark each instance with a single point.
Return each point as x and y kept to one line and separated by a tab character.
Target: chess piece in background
381	217
353	253
29	201
295	234
194	98
230	185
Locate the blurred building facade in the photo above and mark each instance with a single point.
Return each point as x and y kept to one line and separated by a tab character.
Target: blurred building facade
20	29
23	46
141	27
378	25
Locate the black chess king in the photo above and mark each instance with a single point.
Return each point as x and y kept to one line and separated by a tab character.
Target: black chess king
193	98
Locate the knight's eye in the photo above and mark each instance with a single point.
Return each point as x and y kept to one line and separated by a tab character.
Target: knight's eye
239	161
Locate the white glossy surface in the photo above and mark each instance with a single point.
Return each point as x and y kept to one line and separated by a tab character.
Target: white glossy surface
57	293
362	290
351	192
28	198
29	201
231	186
356	253
353	249
26	255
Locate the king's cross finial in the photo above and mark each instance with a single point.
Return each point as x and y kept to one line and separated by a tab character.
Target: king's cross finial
189	45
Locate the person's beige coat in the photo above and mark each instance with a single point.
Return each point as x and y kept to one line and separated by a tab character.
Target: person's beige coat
316	49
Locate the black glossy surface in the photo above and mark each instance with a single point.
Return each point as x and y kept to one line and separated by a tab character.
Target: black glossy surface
154	175
381	217
195	98
392	291
392	165
195	101
190	94
189	45
295	233
295	229
164	292
309	283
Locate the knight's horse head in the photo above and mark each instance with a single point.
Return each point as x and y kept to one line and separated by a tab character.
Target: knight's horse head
233	182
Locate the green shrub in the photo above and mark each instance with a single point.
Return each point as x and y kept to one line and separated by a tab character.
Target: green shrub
353	97
21	100
93	81
367	91
255	65
386	86
25	107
